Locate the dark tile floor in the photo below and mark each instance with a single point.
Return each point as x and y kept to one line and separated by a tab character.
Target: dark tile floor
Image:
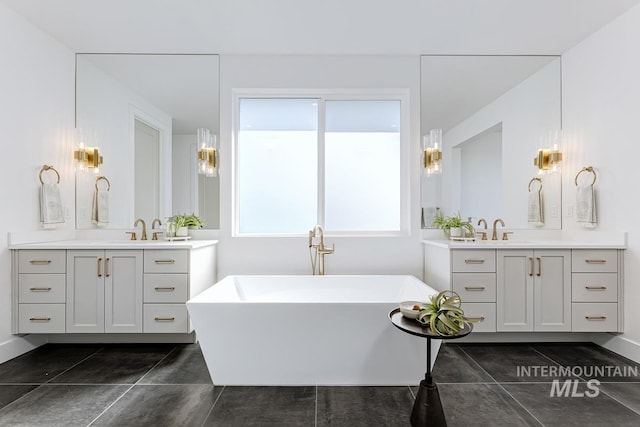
169	385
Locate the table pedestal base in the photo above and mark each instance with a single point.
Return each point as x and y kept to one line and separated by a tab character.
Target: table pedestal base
427	409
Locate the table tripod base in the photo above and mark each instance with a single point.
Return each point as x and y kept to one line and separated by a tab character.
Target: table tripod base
427	409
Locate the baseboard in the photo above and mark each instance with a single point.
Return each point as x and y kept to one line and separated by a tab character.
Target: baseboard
618	344
524	337
20	345
189	338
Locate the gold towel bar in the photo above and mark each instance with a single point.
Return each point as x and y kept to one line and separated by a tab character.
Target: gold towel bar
48	168
586	169
102	177
532	181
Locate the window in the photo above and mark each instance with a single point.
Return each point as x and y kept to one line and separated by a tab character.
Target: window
334	161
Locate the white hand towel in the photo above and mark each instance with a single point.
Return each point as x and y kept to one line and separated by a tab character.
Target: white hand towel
51	212
535	212
100	208
586	205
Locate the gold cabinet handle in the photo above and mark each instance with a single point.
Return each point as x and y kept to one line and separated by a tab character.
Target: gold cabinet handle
165	288
595	288
39	289
595	317
475	319
40	319
106	267
530	266
99	271
474	288
595	261
474	261
164	261
539	266
165	319
40	261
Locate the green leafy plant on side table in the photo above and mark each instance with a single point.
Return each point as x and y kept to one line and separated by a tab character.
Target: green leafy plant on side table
443	314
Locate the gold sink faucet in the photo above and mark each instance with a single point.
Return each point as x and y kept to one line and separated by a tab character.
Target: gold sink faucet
484	233
144	228
317	265
153	227
494	235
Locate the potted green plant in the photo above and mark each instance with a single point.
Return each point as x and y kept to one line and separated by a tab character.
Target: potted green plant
453	226
179	224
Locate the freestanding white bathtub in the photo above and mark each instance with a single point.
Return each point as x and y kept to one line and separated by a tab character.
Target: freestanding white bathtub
309	330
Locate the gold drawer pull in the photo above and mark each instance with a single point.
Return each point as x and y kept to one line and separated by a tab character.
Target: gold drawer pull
39	289
595	261
40	319
40	261
165	288
165	261
99	272
475	319
595	317
165	319
474	261
474	288
595	288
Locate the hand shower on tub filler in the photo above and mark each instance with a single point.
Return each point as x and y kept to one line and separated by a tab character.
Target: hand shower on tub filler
317	250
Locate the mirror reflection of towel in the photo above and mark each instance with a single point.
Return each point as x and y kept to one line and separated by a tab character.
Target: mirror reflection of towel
535	215
100	208
586	206
51	213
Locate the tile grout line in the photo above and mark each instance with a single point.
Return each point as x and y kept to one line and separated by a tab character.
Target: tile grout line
502	387
38	385
601	391
132	386
213	405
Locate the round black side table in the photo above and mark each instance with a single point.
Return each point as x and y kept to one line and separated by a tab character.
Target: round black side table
427	409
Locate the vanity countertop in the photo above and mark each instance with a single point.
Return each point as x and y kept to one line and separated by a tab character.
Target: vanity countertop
525	244
117	244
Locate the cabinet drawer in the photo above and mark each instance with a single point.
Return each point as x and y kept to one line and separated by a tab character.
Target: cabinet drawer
41	288
468	261
484	313
594	260
594	317
41	261
41	318
475	287
165	261
165	288
594	287
167	318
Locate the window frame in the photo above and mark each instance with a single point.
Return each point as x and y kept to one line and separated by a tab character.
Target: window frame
323	95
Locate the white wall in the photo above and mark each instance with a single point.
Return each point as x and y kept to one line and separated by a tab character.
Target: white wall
36	118
105	108
290	255
601	113
528	112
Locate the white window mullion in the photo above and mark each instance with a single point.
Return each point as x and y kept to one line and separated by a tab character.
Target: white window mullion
321	161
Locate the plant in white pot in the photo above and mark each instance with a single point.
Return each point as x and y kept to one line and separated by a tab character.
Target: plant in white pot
180	224
453	226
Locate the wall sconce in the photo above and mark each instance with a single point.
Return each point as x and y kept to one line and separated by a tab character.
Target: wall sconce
207	153
548	159
432	152
86	157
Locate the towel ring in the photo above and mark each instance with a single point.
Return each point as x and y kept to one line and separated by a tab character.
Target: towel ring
48	168
532	181
586	169
102	177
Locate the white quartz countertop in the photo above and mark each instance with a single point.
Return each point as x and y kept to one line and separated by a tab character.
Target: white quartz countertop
526	244
117	244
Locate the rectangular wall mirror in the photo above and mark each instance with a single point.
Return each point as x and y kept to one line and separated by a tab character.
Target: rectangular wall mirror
495	112
142	111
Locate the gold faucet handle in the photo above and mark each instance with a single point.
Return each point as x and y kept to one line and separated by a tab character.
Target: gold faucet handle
484	234
155	235
133	235
505	235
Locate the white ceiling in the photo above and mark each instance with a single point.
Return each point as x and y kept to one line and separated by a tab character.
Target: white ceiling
321	26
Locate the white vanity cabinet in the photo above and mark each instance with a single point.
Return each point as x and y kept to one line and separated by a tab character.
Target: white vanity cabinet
473	277
104	291
533	290
109	288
